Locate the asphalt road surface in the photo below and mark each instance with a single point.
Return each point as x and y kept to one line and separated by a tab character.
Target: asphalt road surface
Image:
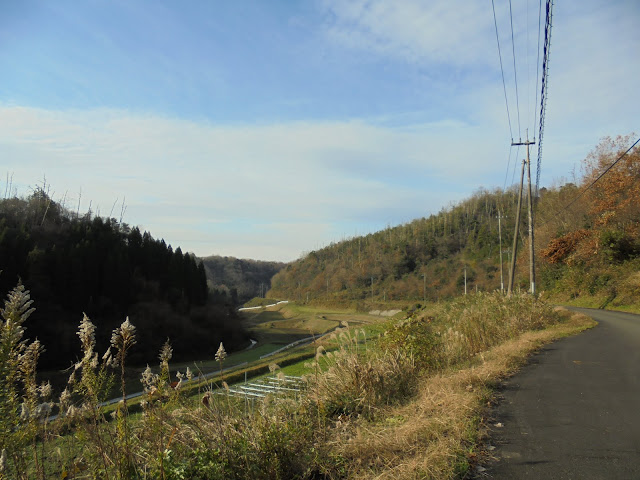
574	411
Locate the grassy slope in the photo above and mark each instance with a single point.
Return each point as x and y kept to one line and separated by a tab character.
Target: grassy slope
439	432
436	433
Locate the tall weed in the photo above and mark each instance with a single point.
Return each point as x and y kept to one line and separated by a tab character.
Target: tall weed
458	330
355	381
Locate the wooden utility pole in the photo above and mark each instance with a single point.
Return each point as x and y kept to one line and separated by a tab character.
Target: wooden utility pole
500	240
532	260
514	249
532	265
465	279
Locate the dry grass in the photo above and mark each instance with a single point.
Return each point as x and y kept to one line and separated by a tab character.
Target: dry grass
435	435
370	411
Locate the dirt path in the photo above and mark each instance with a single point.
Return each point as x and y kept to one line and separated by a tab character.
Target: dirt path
574	411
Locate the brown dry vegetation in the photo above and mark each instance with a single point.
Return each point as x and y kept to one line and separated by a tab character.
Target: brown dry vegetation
438	433
408	405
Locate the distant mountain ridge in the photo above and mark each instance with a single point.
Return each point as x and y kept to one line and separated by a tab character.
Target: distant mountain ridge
239	280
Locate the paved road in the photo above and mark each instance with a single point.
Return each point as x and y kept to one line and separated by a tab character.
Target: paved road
574	411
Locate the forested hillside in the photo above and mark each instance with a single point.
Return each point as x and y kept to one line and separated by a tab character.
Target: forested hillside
579	246
237	279
424	258
74	264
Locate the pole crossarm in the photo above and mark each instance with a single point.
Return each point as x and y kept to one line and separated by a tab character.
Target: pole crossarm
526	142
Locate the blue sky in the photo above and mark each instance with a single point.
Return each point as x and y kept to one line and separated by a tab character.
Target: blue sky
265	129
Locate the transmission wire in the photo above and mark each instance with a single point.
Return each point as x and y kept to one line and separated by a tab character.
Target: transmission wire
537	68
515	164
504	86
515	73
506	175
544	82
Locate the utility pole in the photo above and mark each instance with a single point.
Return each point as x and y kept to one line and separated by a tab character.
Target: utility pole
514	249
532	265
465	279
372	289
532	260
424	288
500	240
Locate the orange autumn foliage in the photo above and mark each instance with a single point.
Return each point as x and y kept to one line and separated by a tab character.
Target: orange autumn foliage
612	204
614	201
559	249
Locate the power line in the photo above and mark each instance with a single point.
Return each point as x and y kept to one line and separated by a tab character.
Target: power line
506	175
544	88
575	199
504	87
515	73
537	68
515	163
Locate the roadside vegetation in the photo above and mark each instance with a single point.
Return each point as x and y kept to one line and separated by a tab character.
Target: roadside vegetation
401	399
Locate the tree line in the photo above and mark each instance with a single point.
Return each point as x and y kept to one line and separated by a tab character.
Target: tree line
108	270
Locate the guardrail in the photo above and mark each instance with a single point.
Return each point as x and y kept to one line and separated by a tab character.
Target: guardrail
263	306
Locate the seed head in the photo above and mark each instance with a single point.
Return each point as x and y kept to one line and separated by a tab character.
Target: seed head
107	358
148	379
44	390
166	352
221	354
86	332
124	336
72	412
65	398
16	310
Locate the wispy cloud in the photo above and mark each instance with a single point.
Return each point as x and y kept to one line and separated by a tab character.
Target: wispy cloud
440	31
183	178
